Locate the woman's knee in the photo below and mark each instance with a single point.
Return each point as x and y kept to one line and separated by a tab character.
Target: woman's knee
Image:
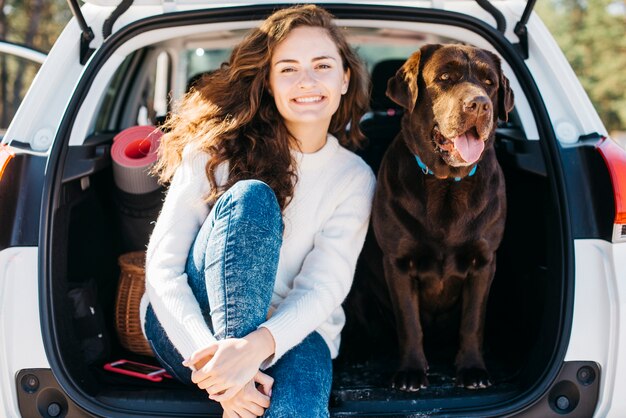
253	201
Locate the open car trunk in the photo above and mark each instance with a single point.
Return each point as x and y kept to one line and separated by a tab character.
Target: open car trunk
523	317
93	223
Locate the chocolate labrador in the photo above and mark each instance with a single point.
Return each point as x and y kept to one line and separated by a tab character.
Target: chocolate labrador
440	206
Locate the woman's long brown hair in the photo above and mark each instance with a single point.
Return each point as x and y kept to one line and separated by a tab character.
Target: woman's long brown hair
231	116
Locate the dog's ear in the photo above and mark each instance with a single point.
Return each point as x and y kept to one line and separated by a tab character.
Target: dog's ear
505	98
402	87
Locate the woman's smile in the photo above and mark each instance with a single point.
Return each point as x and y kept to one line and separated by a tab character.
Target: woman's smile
309	99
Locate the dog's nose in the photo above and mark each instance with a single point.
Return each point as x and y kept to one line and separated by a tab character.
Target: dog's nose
477	104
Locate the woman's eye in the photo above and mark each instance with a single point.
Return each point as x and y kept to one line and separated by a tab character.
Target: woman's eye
444	77
288	70
323	66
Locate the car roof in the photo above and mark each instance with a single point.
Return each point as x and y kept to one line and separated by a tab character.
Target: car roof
216	4
486	10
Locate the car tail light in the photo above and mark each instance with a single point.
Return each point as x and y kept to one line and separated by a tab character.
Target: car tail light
615	159
6	154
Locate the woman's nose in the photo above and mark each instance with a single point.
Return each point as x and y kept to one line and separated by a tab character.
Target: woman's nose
308	79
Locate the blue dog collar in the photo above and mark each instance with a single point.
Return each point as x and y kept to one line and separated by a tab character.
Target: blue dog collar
427	170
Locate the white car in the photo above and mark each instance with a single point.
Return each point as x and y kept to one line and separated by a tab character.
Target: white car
555	335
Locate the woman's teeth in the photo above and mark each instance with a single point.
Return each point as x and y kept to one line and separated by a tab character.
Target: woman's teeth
308	99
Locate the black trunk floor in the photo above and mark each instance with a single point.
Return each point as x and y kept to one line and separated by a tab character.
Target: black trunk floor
362	388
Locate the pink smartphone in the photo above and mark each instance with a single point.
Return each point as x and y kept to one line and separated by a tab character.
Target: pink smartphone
139	370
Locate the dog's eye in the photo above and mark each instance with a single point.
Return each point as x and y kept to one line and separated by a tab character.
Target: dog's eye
444	77
488	81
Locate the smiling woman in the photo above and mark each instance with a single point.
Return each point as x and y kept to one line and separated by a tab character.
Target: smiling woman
288	209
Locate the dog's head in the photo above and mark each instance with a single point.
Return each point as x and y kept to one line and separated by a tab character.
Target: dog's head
453	96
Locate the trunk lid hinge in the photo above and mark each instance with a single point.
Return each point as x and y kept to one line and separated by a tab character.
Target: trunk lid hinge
87	34
522	31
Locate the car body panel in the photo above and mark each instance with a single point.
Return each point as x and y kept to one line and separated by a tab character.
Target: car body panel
20	325
599	309
618	363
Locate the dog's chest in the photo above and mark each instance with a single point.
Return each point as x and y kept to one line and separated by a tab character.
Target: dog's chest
440	293
446	207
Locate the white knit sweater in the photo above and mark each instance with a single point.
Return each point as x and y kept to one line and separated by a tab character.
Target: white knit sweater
325	225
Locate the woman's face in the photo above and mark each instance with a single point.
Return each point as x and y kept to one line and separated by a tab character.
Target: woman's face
307	78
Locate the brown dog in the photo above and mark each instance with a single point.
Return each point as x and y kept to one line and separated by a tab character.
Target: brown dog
440	206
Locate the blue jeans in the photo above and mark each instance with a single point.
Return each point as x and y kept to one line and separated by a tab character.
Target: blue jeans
231	270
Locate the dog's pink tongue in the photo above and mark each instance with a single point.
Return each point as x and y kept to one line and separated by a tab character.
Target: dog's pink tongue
469	146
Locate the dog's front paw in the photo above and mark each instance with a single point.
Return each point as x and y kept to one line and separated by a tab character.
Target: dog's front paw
410	380
473	378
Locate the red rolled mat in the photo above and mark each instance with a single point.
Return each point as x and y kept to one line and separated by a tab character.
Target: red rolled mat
134	152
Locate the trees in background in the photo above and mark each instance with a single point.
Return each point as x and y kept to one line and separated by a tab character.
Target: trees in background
592	34
37	24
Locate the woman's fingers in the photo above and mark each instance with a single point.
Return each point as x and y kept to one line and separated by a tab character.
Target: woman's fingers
200	357
216	389
247	414
254	410
248	402
230	361
256	398
227	395
202	354
266	381
201	376
259	398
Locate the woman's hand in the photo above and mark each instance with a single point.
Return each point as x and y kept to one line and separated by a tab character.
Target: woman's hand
250	401
224	367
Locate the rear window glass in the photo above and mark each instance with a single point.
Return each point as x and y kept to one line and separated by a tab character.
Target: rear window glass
16	76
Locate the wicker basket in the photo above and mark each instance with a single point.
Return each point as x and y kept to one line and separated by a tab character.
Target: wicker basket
129	292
